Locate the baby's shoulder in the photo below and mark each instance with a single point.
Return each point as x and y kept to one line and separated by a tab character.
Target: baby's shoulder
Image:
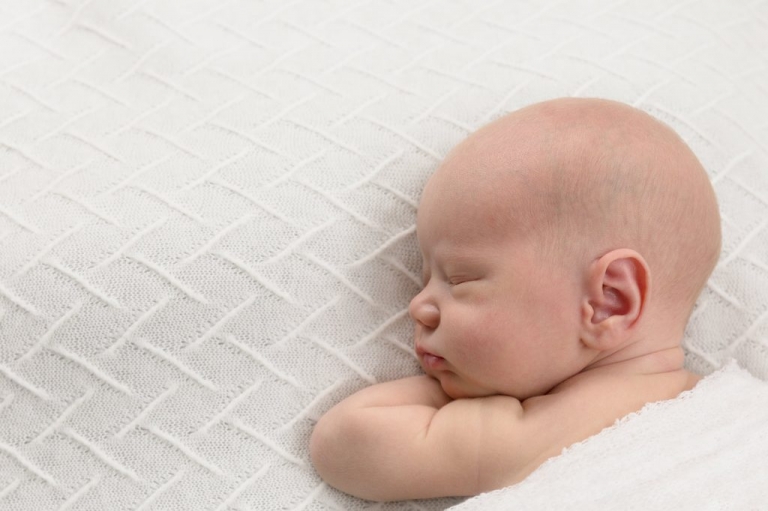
609	393
587	403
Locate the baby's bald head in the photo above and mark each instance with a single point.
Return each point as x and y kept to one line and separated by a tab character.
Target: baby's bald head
586	176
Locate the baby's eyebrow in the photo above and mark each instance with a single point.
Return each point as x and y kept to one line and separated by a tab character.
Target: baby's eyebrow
460	257
452	258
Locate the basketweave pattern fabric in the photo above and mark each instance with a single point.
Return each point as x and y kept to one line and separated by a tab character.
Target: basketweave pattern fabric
207	215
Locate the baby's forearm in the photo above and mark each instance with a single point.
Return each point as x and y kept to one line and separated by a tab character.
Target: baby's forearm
407	439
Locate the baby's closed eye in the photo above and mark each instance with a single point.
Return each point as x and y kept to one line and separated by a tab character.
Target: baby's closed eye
460	279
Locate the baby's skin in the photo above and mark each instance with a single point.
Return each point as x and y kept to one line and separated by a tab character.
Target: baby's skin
564	246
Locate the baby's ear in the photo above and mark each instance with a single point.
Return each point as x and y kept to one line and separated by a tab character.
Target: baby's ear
617	289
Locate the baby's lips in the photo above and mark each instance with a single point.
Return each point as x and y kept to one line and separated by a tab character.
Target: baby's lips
432	361
420	350
429	359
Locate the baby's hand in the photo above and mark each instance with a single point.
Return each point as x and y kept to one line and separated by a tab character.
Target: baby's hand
406	439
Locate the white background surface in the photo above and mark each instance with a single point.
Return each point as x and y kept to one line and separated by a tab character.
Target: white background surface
207	215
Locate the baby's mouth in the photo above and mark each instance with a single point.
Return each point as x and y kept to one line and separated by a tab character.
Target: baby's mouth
429	360
432	361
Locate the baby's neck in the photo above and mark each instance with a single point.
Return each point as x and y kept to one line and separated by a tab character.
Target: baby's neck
666	362
654	348
636	359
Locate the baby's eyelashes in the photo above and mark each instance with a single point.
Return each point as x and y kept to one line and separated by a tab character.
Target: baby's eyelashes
456	279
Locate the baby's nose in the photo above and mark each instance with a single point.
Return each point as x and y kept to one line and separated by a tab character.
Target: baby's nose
424	311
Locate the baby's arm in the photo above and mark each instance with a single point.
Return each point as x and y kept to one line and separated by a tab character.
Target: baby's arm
406	439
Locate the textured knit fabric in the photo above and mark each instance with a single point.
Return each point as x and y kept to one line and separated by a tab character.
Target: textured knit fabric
207	215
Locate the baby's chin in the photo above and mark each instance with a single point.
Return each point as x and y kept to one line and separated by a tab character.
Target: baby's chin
456	388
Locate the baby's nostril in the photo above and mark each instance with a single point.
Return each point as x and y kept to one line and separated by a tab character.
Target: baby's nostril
429	315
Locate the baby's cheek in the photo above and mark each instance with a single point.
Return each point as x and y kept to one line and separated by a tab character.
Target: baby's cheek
472	330
478	341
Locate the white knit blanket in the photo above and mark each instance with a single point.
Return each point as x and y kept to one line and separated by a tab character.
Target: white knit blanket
707	449
207	215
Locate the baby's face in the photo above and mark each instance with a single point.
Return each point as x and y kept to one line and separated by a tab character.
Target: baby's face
492	318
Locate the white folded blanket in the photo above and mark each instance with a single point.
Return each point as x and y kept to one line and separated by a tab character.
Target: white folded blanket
706	449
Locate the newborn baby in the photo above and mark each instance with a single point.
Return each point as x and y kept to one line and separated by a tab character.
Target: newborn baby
564	246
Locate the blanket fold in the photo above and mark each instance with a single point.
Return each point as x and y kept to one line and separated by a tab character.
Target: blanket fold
706	449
